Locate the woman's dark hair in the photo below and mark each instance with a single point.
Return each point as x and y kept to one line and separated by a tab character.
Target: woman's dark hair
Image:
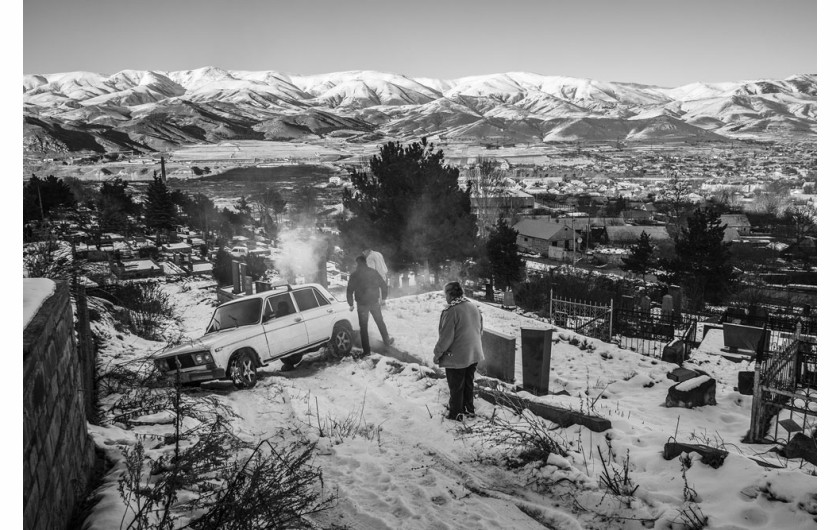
453	288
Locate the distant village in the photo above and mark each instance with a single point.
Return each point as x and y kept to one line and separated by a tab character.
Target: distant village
584	207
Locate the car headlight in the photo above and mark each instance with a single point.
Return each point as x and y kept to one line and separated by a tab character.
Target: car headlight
202	357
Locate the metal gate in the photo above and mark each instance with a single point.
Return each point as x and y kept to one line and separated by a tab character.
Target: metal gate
586	318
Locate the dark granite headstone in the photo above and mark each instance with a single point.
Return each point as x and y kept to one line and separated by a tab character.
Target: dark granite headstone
746	382
234	273
536	359
674	352
801	446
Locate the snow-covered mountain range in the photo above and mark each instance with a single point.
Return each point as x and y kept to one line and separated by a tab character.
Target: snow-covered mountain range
153	110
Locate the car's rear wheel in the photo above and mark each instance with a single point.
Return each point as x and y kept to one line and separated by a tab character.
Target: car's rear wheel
342	339
243	369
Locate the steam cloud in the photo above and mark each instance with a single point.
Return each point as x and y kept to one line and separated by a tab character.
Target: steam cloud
302	253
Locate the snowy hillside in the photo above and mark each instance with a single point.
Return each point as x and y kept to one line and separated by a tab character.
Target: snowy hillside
522	106
421	471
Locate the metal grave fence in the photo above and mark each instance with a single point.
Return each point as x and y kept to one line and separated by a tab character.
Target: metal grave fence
785	379
587	318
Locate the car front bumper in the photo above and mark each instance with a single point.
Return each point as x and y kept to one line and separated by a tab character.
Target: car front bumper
207	374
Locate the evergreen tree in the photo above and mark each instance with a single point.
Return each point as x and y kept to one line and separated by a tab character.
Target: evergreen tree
42	195
503	254
115	205
703	261
221	267
409	206
160	210
256	266
641	258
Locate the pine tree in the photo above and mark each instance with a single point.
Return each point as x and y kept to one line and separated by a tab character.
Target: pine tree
640	259
160	210
703	261
222	267
409	207
502	251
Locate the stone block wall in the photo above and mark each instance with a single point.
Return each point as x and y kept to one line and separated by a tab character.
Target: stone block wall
58	454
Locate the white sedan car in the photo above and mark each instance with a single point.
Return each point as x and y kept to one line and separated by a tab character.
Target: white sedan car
281	324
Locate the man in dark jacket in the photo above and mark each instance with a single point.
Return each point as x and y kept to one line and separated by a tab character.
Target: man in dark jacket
367	287
458	349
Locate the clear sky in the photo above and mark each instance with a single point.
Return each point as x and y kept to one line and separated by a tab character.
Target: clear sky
662	42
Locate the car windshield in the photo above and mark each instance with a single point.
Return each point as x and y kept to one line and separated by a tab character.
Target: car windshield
242	313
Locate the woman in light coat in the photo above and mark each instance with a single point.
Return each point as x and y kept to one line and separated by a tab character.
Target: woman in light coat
458	349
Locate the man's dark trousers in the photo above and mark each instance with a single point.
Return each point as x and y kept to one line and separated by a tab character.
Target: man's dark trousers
461	390
364	312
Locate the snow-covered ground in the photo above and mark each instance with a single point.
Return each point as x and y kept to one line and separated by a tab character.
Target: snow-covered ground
422	471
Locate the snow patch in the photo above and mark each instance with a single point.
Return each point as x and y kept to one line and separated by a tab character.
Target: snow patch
35	291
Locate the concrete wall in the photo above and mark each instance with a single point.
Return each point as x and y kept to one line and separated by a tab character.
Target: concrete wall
58	455
533	244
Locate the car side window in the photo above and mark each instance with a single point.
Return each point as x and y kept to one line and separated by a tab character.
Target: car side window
322	301
278	306
305	299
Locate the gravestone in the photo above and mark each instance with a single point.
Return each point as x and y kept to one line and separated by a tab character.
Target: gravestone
536	359
626	301
234	274
508	299
746	382
243	269
488	291
499	355
676	296
674	352
644	304
248	283
801	446
262	286
681	374
695	392
667	306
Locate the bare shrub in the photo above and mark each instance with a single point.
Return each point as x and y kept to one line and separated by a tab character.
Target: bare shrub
526	438
617	480
692	517
273	488
352	426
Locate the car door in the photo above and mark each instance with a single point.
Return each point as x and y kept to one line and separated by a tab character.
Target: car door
318	318
283	325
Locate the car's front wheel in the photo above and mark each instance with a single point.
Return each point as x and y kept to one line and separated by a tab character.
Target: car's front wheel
342	339
243	370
